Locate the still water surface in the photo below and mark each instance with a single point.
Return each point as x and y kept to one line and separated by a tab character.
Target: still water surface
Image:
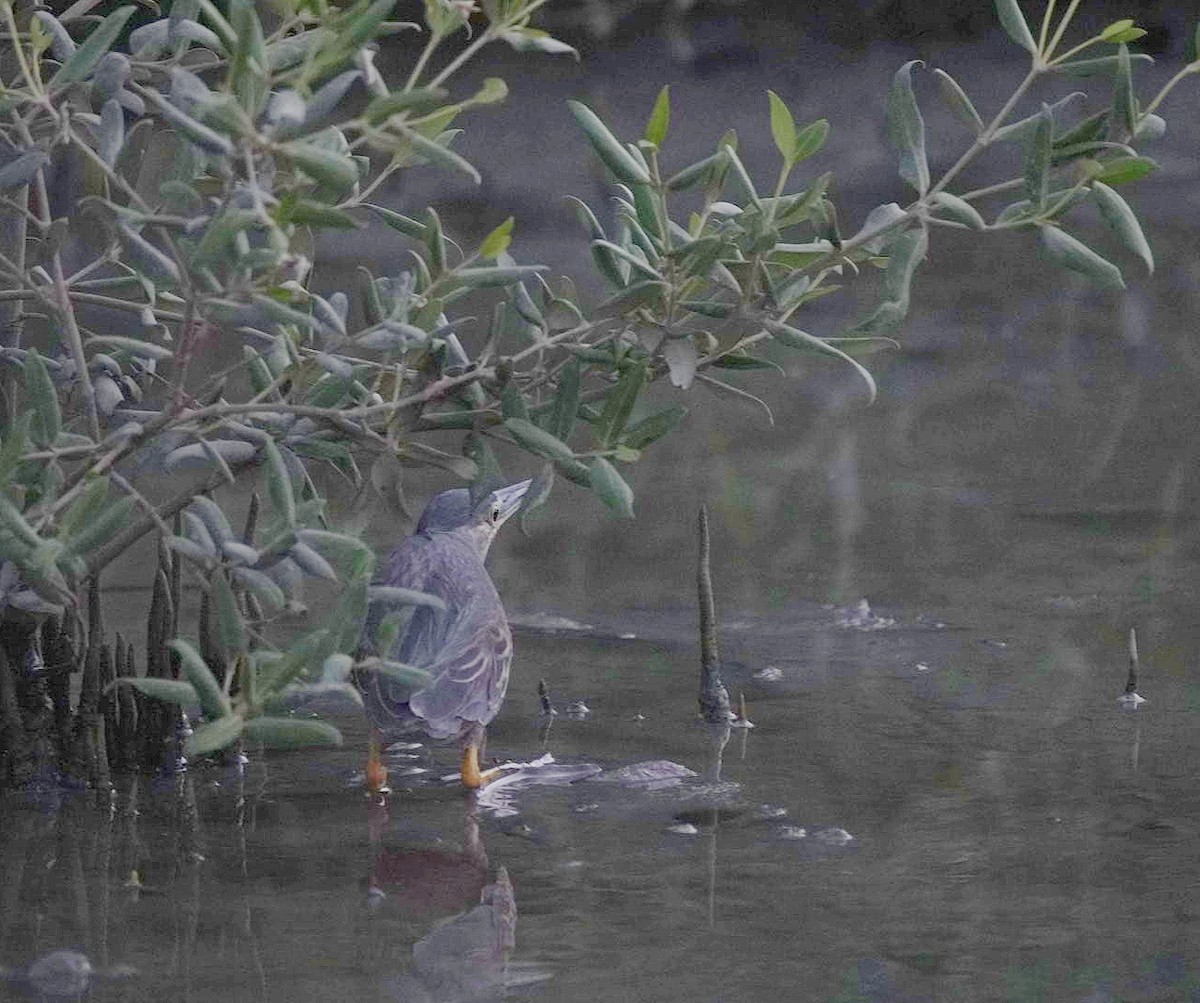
947	807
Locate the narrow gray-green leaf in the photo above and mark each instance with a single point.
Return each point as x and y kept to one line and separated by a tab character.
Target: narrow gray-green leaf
279	484
231	632
906	129
783	127
608	147
212	698
1124	104
959	210
1124	222
610	487
618	405
84	59
566	401
660	117
957	101
538	441
214	735
1015	24
174	691
404	224
795	338
1068	252
648	430
1037	159
47	423
291	732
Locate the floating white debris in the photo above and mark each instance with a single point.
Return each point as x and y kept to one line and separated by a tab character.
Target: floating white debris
922	667
835	837
548	621
577	710
860	617
683	829
496	796
792	832
770	674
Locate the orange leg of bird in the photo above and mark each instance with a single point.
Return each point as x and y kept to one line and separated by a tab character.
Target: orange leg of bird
377	774
472	776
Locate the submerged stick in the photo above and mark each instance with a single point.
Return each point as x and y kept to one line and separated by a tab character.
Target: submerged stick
714	698
1131	682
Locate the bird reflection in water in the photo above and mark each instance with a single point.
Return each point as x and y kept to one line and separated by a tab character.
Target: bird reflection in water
465	955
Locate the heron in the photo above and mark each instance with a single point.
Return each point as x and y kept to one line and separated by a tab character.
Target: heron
466	647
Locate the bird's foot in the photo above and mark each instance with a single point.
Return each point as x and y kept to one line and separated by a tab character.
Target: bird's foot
376	772
472	776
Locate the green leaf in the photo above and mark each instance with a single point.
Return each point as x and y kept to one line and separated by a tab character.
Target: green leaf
907	129
336	170
538	441
512	401
405	224
421	98
498	275
1037	159
1122	170
1115	29
607	147
291	732
617	251
794	338
95	533
906	253
958	102
566	401
306	212
47	423
16	444
660	118
959	210
1014	23
231	633
1068	252
1124	222
783	127
535	40
653	428
701	171
214	735
85	507
1124	104
618	405
84	59
1097	66
610	487
174	691
279	484
1129	35
212	698
646	293
493	91
810	139
496	242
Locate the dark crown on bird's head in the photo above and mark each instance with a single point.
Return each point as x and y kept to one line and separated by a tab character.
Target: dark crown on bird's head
452	510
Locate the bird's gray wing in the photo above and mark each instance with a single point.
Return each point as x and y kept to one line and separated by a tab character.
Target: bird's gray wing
470	672
423	632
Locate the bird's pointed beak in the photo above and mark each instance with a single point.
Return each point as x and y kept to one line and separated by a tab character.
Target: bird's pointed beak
510	499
